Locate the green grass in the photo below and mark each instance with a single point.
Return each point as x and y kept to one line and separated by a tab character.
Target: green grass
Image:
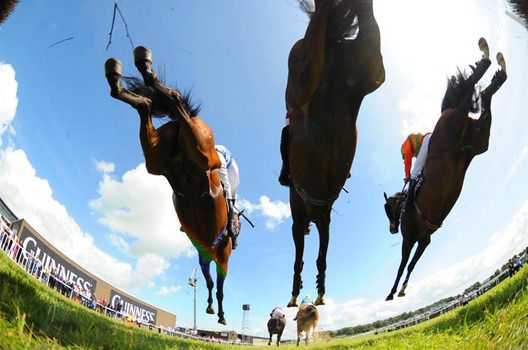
34	317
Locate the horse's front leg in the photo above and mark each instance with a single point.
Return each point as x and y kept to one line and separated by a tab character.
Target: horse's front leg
407	246
204	265
422	244
298	229
220	278
323	226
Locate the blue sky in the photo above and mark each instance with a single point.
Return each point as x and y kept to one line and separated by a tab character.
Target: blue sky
71	163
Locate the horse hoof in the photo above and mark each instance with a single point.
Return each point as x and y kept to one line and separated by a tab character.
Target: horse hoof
210	310
389	297
222	321
501	61
401	294
483	46
113	67
319	301
293	303
141	53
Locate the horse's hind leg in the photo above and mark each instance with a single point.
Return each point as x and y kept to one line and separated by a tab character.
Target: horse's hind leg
323	226
407	246
269	342
220	278
422	244
204	265
113	73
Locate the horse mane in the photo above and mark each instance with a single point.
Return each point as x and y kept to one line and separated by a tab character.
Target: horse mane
6	8
455	91
342	20
137	86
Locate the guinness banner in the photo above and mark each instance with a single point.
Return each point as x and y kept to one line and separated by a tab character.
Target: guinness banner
133	308
49	259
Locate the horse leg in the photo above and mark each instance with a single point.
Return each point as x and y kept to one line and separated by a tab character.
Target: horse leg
370	46
422	244
407	246
148	134
269	342
279	335
204	265
298	229
323	226
220	278
193	140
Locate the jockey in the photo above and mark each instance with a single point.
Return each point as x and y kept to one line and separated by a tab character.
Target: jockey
284	177
277	313
230	179
415	145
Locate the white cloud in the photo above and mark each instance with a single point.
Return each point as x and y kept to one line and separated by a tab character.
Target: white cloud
104	167
275	212
428	52
139	206
32	198
8	93
164	291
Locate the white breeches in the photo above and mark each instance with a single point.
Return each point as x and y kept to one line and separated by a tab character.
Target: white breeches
422	157
229	177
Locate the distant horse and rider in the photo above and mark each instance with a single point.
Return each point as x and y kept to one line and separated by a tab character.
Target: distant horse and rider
307	318
330	71
183	151
276	324
442	161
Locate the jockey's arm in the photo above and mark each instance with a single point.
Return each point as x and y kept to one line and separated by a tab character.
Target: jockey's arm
407	158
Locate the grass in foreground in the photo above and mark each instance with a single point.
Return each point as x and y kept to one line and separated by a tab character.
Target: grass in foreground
34	317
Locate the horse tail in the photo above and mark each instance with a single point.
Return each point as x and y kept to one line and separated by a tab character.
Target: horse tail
457	89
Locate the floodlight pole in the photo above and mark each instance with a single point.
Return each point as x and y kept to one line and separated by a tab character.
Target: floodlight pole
193	283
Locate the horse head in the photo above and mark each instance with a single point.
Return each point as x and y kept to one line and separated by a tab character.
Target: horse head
393	207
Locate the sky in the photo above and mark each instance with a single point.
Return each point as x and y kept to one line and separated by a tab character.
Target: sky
71	163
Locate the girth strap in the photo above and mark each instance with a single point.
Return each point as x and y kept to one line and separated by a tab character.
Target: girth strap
314	201
430	225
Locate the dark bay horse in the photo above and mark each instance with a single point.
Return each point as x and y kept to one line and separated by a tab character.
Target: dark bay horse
331	70
276	325
182	150
455	141
6	8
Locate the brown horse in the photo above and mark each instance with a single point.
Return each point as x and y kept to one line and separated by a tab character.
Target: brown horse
331	70
307	319
276	325
183	151
455	141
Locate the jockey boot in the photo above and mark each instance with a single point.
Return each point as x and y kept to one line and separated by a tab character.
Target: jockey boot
410	195
230	213
284	177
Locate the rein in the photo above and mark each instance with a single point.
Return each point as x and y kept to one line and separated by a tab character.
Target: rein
314	201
